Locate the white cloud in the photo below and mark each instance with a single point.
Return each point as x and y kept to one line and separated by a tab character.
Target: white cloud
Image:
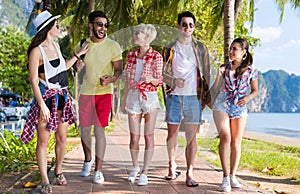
290	44
268	34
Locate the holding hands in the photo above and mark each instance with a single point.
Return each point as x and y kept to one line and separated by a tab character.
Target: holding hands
179	82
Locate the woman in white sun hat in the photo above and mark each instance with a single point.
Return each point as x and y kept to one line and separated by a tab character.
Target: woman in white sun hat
52	109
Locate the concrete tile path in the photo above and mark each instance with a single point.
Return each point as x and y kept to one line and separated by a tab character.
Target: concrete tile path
118	164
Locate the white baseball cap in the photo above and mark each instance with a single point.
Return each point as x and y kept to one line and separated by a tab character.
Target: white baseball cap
43	19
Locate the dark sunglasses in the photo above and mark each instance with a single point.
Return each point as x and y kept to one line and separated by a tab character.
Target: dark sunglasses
184	24
57	26
101	24
138	32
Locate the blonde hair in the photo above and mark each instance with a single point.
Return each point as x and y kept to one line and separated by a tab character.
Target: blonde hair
148	29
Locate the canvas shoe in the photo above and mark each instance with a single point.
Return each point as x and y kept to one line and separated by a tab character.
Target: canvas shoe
143	180
133	173
234	182
226	184
98	177
86	169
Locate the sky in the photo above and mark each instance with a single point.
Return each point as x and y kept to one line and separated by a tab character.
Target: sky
280	42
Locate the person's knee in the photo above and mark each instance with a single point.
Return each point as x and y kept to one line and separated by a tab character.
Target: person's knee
235	145
134	141
42	143
61	139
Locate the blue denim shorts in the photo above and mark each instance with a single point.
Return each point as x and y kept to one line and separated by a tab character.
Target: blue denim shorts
186	107
230	108
135	104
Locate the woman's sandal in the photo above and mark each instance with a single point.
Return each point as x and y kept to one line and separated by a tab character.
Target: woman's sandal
191	183
46	188
61	179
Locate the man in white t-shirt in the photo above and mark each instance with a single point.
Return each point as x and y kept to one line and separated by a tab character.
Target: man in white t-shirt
186	74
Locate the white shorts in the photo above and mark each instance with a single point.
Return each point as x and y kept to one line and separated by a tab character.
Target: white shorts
135	104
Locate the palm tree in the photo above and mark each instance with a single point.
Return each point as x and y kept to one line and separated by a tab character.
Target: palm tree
295	4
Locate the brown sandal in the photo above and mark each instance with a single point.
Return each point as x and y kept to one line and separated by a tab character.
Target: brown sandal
46	188
61	179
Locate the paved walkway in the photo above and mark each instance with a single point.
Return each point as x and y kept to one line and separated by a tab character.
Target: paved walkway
118	163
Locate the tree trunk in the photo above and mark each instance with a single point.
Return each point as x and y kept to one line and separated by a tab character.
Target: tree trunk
237	5
228	27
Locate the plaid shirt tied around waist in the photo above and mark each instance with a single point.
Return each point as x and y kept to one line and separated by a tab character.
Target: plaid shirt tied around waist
68	114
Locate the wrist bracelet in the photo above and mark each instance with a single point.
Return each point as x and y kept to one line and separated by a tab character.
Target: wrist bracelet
78	58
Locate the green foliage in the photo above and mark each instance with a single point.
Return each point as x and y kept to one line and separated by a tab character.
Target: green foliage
13	61
19	156
73	131
258	155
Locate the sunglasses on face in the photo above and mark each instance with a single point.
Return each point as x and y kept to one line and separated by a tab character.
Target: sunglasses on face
101	24
138	32
185	24
57	26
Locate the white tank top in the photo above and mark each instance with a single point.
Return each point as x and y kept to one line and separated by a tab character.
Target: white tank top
54	73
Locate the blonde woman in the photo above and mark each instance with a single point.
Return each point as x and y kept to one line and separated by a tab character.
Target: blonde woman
143	76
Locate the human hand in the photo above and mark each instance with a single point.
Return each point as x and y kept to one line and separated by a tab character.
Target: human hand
83	49
79	65
123	108
44	113
105	80
221	70
243	101
149	79
179	82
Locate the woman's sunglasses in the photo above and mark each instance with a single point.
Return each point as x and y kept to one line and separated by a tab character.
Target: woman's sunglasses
101	24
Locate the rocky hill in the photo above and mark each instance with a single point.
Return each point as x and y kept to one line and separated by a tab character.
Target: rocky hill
278	92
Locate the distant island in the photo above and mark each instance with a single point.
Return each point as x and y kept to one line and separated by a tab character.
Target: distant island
278	92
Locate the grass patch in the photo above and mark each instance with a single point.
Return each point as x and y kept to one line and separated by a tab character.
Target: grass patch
258	156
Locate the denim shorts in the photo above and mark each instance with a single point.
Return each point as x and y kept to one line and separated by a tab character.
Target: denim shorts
135	104
229	107
186	107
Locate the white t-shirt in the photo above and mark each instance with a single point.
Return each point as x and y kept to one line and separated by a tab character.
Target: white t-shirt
185	66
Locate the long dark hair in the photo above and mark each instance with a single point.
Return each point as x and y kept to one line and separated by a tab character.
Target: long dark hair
247	58
40	37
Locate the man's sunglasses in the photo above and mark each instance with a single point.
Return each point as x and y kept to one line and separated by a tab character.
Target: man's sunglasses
101	24
185	24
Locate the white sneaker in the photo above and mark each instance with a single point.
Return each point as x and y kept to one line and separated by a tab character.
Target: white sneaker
86	169
143	180
98	177
133	173
226	184
234	182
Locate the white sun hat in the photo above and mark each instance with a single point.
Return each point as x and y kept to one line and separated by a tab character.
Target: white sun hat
43	19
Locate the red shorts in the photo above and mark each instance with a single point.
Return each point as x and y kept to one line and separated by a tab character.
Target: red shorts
94	110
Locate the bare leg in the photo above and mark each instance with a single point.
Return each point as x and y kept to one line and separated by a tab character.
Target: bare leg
100	147
191	149
150	120
134	122
171	146
86	142
43	136
61	142
222	123
237	130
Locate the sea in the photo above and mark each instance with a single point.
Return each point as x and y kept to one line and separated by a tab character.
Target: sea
279	124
